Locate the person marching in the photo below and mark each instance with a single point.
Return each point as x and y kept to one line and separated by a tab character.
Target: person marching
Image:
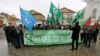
16	38
89	36
83	34
5	28
21	34
96	31
75	35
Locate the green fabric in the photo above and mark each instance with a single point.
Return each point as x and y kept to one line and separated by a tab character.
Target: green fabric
79	15
54	15
83	22
47	37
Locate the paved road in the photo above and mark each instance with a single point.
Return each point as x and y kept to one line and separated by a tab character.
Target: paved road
58	50
3	44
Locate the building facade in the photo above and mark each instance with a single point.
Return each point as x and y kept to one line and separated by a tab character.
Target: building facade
40	17
92	10
6	19
1	20
67	15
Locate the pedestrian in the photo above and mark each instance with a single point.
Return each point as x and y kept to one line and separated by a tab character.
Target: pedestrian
9	31
89	36
5	28
21	34
16	37
96	31
83	34
75	35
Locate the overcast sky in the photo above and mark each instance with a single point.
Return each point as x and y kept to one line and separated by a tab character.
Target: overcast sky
42	6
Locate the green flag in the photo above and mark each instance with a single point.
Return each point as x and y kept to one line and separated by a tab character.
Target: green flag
54	15
48	19
61	20
84	22
51	17
79	15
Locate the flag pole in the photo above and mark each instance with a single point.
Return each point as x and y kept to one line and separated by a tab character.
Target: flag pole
58	5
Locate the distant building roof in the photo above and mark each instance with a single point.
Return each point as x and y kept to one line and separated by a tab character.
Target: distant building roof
2	16
66	10
36	13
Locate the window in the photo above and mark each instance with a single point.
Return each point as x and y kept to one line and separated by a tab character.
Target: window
94	13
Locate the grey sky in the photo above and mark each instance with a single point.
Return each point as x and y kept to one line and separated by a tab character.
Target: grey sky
42	6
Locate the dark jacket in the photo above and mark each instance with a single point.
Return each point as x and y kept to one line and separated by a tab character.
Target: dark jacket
21	32
16	33
9	31
76	31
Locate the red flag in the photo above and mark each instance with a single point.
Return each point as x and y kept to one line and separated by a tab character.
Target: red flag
96	24
88	22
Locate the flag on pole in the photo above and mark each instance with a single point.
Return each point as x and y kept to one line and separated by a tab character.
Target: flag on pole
88	22
27	19
79	15
54	15
60	18
48	19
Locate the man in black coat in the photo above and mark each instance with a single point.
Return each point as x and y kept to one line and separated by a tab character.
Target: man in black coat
96	31
75	35
89	36
83	34
8	33
5	28
21	34
16	38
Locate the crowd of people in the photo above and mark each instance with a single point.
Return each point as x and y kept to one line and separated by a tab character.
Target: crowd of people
87	34
14	35
47	26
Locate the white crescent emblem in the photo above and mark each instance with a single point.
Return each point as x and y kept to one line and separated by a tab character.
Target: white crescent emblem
27	20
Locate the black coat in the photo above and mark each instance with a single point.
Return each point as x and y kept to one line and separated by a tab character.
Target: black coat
9	32
21	32
16	34
76	31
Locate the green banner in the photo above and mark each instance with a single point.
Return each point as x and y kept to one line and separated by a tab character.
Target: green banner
47	37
